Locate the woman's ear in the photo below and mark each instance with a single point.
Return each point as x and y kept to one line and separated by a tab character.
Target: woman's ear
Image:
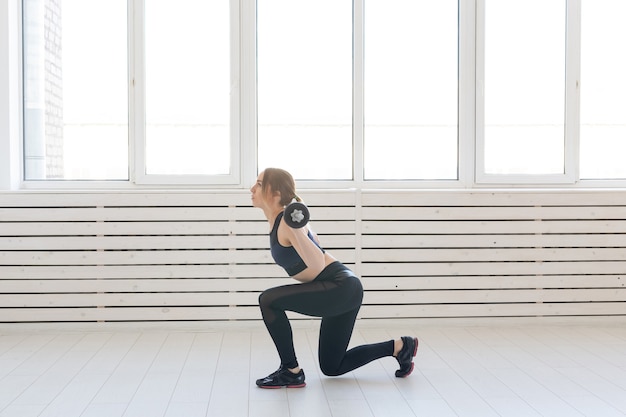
277	195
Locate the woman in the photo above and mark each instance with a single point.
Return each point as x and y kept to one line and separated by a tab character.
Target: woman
327	289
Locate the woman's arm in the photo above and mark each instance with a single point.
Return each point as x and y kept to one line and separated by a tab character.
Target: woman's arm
310	253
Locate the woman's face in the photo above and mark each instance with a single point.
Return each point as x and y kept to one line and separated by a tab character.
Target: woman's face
257	193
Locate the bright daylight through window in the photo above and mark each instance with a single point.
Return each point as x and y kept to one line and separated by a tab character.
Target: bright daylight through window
524	87
410	89
187	87
75	90
305	87
603	90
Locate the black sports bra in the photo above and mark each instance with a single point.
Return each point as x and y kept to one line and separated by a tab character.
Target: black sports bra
286	256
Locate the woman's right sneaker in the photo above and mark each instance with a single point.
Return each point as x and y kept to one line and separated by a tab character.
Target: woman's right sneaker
283	377
406	355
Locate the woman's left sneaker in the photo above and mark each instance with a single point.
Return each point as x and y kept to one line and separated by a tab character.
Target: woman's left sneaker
283	377
406	355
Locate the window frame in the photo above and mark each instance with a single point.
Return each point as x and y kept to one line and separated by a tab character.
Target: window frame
137	177
465	108
137	105
570	116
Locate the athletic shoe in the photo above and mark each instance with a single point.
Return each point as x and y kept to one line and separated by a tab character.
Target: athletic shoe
406	355
283	377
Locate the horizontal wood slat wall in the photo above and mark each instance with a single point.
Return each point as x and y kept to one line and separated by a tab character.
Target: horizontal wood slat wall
193	255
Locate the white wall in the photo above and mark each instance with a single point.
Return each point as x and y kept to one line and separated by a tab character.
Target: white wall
181	255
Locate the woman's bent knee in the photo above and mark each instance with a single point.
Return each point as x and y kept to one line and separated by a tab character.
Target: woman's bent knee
266	298
330	369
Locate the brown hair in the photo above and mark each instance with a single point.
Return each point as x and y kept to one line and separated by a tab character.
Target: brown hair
279	180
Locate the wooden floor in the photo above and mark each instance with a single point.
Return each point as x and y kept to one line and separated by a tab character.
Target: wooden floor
503	369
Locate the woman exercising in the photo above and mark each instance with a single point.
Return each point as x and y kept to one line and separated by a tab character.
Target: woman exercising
327	289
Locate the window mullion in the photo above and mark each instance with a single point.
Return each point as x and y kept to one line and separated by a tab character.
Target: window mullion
467	92
136	96
357	91
480	92
572	90
246	87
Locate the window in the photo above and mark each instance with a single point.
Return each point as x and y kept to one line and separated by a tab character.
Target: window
359	93
77	121
187	76
523	90
75	90
410	90
304	74
603	90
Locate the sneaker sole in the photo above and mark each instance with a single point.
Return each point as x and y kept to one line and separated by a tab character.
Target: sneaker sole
282	386
412	363
410	371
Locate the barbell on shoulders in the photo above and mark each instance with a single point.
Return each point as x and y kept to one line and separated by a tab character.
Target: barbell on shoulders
296	215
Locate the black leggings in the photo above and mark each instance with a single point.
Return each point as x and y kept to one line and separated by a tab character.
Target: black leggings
335	295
